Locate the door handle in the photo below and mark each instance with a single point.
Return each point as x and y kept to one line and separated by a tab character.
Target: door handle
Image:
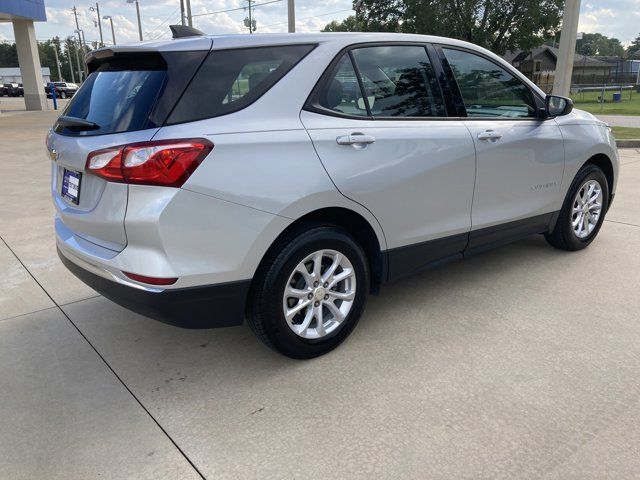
489	135
355	139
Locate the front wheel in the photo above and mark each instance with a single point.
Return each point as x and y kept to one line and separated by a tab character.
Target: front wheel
583	210
63	95
309	293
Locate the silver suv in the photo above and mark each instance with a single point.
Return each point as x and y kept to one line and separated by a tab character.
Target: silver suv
283	178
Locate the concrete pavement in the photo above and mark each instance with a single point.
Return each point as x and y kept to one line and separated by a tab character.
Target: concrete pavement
519	363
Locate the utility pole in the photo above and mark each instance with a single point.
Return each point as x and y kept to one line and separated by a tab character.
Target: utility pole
189	18
564	65
56	45
75	14
291	15
357	5
182	12
99	24
250	22
113	33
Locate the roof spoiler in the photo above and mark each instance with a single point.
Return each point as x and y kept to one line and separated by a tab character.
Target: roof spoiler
182	31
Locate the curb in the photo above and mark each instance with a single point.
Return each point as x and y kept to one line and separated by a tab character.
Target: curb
628	143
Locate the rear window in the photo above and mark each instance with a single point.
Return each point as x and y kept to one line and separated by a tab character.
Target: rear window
132	91
230	80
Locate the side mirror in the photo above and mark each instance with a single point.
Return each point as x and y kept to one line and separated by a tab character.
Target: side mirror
556	106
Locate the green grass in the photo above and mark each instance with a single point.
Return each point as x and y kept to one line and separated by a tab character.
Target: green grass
630	104
626	133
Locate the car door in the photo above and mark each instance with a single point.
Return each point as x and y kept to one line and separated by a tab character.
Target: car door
520	156
393	150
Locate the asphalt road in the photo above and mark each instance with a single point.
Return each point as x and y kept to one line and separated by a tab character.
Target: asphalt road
521	363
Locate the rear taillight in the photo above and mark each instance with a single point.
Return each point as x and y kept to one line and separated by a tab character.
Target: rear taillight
165	163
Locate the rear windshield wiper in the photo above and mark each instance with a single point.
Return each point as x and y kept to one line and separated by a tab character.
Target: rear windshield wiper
75	123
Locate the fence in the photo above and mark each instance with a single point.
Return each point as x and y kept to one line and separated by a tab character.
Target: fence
626	84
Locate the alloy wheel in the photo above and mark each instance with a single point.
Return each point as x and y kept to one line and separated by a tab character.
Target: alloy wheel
587	208
319	294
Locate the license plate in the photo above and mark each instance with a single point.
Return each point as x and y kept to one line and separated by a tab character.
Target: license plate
71	186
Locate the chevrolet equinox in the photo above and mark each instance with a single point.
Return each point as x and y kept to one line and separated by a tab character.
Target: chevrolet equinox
282	178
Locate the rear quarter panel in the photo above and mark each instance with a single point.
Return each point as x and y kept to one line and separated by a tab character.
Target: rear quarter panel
263	157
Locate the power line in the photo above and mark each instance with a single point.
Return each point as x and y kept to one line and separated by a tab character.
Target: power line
165	21
309	18
235	9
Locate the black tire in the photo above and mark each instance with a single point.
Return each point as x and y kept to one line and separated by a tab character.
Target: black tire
63	95
265	308
563	236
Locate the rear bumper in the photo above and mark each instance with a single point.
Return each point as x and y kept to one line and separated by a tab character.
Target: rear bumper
220	305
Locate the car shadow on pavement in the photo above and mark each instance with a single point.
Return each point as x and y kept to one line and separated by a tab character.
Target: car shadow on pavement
128	340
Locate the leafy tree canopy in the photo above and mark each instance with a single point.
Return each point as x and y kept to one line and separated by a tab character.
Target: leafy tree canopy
634	49
46	50
598	44
498	25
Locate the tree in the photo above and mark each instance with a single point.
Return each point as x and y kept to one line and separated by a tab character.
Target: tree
633	50
8	55
598	44
347	25
498	25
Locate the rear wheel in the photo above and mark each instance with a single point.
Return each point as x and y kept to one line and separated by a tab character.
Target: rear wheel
63	95
310	292
583	210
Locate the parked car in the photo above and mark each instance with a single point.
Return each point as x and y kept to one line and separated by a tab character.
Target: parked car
289	202
11	90
63	89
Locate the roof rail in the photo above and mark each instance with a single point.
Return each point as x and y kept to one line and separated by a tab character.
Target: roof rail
181	31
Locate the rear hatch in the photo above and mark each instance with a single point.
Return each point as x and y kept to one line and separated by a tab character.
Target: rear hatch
126	98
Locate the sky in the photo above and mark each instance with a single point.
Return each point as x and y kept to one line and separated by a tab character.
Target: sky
617	18
156	15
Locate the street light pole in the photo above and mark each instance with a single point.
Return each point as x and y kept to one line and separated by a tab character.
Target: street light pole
113	33
80	70
566	54
99	24
291	15
56	45
138	14
73	77
189	18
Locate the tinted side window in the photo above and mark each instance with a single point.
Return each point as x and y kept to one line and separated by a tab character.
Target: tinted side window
230	80
399	81
341	93
487	89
